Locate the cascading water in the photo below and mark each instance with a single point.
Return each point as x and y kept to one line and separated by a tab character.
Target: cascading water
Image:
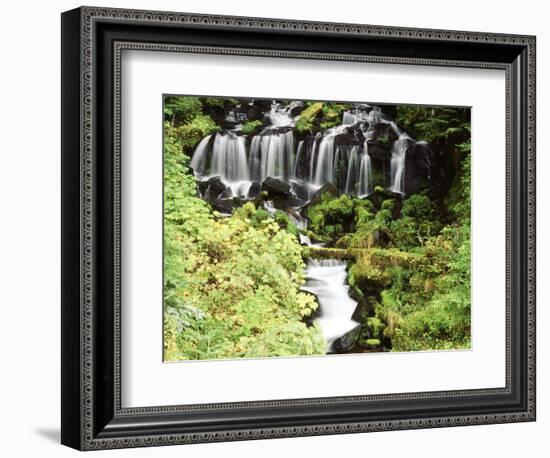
349	155
198	163
365	173
326	279
240	160
397	164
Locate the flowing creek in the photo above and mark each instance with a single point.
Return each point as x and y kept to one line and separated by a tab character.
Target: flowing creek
326	279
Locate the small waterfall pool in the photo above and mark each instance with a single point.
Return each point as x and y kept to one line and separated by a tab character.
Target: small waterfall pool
326	279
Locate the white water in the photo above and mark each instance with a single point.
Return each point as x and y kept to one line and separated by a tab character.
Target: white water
365	173
241	160
326	279
397	163
199	156
268	205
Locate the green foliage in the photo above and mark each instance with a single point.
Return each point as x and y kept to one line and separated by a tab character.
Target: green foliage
218	102
284	222
180	110
332	215
305	123
332	115
434	123
191	133
289	339
231	285
319	115
458	199
251	127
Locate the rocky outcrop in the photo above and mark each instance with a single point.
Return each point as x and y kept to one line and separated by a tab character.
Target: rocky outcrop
254	190
380	138
276	188
346	343
212	188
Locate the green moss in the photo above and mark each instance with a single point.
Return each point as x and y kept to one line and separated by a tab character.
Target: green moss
376	327
306	122
251	127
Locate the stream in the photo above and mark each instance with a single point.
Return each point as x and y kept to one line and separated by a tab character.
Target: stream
326	279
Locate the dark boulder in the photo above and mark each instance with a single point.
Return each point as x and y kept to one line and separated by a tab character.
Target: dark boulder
364	309
264	105
301	190
381	133
279	193
327	188
227	194
346	343
253	113
380	139
224	206
380	153
351	137
276	188
211	188
254	190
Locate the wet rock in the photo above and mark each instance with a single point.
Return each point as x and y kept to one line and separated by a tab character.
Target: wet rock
346	343
379	152
211	188
297	108
352	137
421	168
327	188
276	188
264	105
381	133
254	190
365	307
225	206
301	191
280	194
226	194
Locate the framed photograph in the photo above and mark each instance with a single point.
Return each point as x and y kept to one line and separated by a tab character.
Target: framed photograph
276	228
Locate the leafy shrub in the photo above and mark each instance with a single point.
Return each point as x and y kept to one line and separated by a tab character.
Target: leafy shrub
231	285
180	110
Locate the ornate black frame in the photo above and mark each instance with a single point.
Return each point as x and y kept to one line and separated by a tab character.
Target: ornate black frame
92	42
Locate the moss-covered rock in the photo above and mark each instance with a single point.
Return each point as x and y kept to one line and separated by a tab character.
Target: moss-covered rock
306	122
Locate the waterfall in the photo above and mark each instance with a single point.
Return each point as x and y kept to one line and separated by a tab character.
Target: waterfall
198	162
339	155
229	158
365	173
326	279
397	163
273	152
349	118
299	153
255	160
280	116
324	171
